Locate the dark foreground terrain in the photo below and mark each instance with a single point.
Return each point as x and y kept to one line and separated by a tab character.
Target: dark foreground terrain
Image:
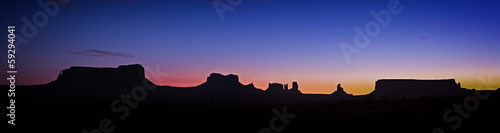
57	113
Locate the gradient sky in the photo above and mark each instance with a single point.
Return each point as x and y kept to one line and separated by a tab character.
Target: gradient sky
265	41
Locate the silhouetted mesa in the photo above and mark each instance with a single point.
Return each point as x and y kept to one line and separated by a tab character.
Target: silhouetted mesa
94	81
127	75
217	77
278	88
218	85
412	88
340	92
295	88
220	82
91	80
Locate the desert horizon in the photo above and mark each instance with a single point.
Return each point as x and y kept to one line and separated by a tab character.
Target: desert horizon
264	89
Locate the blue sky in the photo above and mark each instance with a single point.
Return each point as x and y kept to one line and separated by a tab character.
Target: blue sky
265	41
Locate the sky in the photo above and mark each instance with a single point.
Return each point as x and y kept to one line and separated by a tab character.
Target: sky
263	41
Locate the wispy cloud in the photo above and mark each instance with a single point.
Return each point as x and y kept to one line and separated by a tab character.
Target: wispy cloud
463	31
422	38
100	53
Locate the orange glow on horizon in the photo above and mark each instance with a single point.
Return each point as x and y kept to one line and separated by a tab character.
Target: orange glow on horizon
315	87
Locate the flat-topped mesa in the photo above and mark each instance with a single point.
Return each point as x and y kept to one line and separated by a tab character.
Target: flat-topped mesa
84	77
413	88
217	81
219	78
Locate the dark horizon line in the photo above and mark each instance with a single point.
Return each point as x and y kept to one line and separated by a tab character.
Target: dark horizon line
382	79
